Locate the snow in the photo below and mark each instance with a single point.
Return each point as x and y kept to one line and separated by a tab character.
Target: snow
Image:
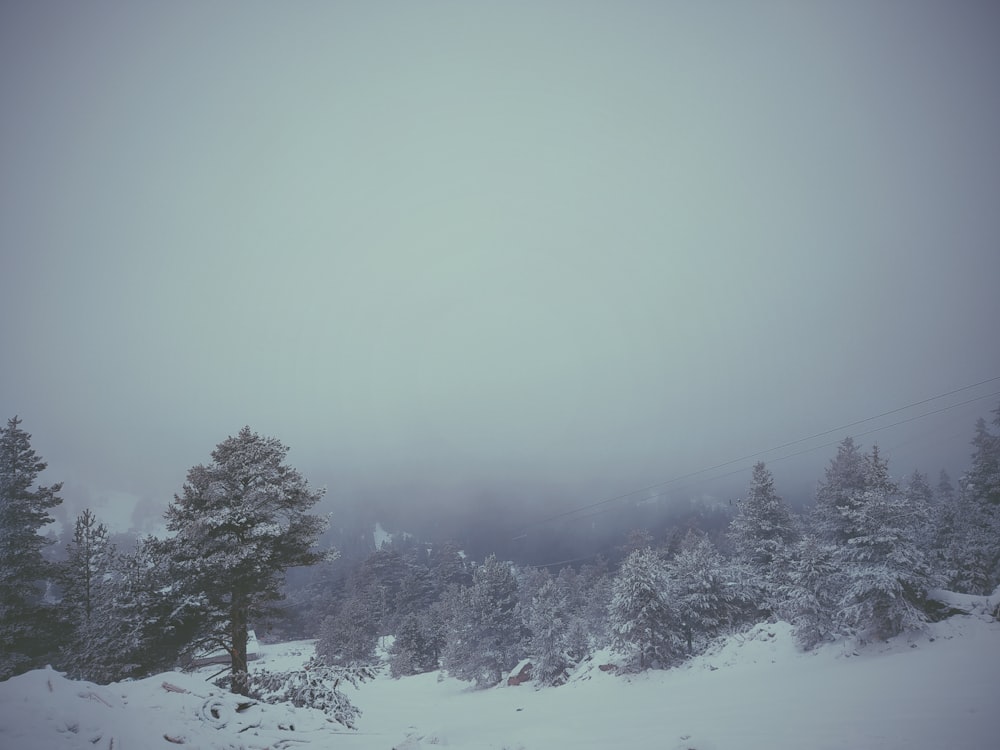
381	536
938	688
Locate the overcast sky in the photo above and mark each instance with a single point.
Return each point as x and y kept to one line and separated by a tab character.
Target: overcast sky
453	250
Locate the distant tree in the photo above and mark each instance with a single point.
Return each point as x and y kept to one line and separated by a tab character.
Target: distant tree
918	493
239	523
348	636
415	649
448	565
639	615
945	489
983	479
416	590
26	622
485	625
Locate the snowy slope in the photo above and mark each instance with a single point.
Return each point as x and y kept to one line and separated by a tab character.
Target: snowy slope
937	689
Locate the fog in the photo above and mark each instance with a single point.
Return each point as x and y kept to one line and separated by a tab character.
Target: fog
476	264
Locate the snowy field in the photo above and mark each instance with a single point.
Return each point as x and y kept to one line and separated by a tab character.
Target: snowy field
938	689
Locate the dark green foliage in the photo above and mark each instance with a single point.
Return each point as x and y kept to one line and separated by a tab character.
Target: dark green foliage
239	523
27	624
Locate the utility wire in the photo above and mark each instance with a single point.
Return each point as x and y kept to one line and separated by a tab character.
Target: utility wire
607	501
597	512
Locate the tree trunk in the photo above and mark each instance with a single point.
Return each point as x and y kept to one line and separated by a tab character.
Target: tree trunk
238	646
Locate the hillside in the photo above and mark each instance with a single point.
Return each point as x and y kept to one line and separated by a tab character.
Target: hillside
932	690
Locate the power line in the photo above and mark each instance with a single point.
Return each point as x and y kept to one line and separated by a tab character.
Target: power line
789	444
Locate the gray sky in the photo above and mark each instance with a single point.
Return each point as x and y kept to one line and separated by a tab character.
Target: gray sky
443	249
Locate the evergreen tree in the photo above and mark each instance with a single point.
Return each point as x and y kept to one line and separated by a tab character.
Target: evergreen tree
813	592
548	621
239	523
415	649
140	619
840	492
27	629
706	593
88	563
763	530
887	574
485	627
983	478
639	616
968	538
349	635
83	576
945	489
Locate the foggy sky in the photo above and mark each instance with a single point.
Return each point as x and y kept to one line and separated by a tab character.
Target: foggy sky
455	251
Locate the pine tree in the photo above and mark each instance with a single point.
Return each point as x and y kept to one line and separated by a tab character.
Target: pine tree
548	621
983	478
706	593
840	492
918	493
813	592
239	523
415	649
140	619
639	615
348	636
485	628
967	538
83	576
88	563
762	532
887	574
26	622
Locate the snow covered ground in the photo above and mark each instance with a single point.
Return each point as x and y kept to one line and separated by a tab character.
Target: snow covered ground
936	689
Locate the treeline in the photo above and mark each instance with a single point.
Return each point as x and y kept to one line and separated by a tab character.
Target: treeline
859	563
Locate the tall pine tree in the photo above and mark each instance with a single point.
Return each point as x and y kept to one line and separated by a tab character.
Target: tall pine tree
239	523
639	616
26	622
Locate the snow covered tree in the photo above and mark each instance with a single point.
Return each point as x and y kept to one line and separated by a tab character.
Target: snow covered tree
87	563
842	489
140	620
983	478
239	523
548	621
315	685
349	635
967	529
26	623
763	530
639	615
812	595
83	576
485	628
416	647
706	593
918	492
887	573
945	489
